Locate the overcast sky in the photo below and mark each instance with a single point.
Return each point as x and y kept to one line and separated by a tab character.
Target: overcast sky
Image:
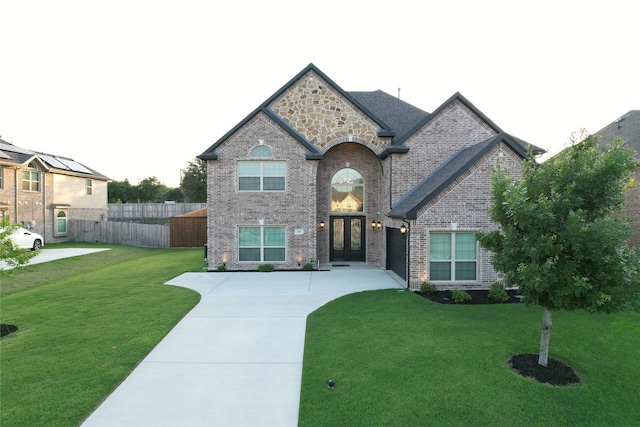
136	89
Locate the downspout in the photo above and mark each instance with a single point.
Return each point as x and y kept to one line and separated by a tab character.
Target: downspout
390	181
408	254
15	194
44	209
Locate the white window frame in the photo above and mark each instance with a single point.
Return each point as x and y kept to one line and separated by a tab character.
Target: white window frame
89	187
30	182
56	219
452	260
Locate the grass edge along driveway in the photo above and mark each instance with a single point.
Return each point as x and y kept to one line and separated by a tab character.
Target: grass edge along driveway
401	360
85	323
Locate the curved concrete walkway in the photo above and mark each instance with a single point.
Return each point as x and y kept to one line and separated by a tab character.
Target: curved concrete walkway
236	357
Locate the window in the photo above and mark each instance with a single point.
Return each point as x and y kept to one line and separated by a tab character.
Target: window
261	176
31	179
261	152
261	244
347	191
453	256
1	176
89	186
61	223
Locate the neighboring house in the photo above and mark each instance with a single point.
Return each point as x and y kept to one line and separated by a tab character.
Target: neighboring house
44	191
628	128
316	173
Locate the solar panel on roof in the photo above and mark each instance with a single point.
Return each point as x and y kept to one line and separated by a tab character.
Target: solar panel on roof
73	165
14	149
52	161
4	155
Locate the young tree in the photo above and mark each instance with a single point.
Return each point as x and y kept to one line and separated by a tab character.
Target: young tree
10	254
194	181
563	240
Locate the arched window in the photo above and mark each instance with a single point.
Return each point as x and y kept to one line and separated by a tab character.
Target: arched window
347	191
61	223
261	152
31	178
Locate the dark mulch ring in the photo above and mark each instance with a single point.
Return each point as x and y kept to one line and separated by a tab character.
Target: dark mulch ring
477	297
555	373
6	329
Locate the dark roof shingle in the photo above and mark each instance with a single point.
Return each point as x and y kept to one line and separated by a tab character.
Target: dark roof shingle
448	172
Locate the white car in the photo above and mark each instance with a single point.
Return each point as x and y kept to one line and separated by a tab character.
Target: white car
27	239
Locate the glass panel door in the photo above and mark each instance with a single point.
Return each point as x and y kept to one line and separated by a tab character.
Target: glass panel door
347	239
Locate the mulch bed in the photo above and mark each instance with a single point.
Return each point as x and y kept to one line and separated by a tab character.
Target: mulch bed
6	329
555	373
477	297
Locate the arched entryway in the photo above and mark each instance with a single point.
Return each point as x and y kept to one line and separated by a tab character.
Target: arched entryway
348	200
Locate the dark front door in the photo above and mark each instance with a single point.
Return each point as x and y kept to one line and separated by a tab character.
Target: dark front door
347	238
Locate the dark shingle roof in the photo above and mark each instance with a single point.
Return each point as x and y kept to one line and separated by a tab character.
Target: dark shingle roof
19	155
400	116
395	118
627	127
449	171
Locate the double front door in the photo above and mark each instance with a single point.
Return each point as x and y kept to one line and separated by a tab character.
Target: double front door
347	238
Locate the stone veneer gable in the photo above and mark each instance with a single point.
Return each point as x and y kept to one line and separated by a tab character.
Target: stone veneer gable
322	115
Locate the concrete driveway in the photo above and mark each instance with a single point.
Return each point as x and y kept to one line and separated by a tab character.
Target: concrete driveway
236	358
46	255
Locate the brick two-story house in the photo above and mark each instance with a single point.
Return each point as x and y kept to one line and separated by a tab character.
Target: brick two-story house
44	191
318	173
627	127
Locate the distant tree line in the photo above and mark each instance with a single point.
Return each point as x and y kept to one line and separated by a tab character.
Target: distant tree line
192	189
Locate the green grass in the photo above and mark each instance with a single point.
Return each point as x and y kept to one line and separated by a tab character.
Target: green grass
401	360
85	323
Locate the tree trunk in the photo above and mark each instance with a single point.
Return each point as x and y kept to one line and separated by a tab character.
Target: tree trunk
543	357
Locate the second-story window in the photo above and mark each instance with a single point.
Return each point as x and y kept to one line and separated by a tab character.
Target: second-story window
31	178
89	187
267	175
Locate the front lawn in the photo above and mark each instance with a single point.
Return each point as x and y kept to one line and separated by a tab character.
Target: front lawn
400	360
84	324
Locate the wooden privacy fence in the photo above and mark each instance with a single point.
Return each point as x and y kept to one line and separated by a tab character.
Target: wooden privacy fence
123	233
188	232
150	210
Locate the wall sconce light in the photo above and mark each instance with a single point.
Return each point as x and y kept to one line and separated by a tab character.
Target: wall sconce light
379	225
373	225
403	229
321	225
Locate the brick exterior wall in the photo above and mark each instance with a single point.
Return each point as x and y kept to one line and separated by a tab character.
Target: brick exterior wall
27	207
633	210
37	209
461	207
348	139
229	208
453	128
363	160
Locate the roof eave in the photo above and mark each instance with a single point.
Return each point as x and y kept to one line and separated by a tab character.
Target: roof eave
393	149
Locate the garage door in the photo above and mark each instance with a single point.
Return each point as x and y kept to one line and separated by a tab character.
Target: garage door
397	252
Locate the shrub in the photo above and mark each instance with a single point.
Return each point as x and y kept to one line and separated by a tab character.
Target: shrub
497	293
460	296
265	267
427	288
221	267
307	266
